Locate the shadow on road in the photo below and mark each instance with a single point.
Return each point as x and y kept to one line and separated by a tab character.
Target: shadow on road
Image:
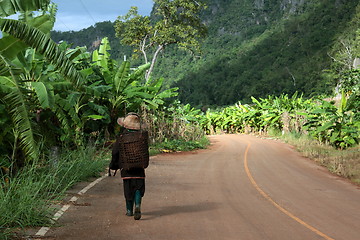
178	209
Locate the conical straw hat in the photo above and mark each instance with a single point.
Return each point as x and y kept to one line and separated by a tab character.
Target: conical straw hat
130	121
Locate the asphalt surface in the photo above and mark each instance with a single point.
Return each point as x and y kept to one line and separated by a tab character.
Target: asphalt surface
241	188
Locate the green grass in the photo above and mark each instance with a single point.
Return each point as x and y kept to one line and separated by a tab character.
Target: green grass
179	145
29	198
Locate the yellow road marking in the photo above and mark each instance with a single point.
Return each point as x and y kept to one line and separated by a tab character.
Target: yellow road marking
266	196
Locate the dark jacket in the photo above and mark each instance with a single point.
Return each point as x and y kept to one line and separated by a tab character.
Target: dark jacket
126	173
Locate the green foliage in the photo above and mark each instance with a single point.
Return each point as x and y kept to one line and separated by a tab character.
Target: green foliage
90	38
179	145
8	8
350	81
40	41
334	125
261	51
17	71
337	126
69	112
31	204
23	131
174	23
173	121
133	28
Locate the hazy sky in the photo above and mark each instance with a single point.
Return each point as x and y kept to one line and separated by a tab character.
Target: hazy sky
78	14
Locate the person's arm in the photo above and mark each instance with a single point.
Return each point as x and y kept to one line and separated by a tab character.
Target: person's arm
116	153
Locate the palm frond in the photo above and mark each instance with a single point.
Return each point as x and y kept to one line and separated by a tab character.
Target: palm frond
4	69
139	72
44	93
102	56
22	123
62	116
44	45
14	99
19	113
8	7
10	46
121	78
61	86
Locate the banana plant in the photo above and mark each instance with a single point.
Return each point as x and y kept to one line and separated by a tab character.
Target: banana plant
8	8
18	36
159	96
333	124
126	88
13	97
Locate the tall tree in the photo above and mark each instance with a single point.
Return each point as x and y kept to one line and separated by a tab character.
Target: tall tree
175	22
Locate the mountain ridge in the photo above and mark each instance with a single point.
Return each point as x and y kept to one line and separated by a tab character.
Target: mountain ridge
256	48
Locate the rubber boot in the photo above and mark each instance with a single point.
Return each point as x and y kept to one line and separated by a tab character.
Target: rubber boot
129	208
137	214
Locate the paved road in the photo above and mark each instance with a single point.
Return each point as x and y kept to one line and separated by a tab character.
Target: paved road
241	188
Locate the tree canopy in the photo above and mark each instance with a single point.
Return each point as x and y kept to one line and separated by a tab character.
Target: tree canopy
175	22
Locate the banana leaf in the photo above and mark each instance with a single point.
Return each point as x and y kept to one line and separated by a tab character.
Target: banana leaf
151	103
10	7
137	92
121	79
43	22
5	84
95	117
325	127
44	93
10	47
139	72
21	120
44	45
61	86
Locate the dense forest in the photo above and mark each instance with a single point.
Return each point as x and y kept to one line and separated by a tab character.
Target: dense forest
257	48
253	48
91	38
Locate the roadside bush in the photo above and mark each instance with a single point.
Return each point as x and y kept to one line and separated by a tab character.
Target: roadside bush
329	122
179	145
174	122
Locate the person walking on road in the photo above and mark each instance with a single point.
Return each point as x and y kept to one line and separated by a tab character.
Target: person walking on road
133	177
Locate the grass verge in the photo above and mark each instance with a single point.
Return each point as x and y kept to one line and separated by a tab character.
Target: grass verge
29	198
344	163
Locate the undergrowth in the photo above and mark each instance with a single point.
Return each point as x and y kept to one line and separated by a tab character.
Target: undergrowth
179	145
29	198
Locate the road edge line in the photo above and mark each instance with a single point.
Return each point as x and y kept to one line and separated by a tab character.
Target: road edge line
43	230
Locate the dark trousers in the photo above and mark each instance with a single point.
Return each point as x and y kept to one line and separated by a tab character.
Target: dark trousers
131	186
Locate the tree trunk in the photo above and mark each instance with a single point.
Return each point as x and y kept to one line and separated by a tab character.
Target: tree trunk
142	49
148	73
